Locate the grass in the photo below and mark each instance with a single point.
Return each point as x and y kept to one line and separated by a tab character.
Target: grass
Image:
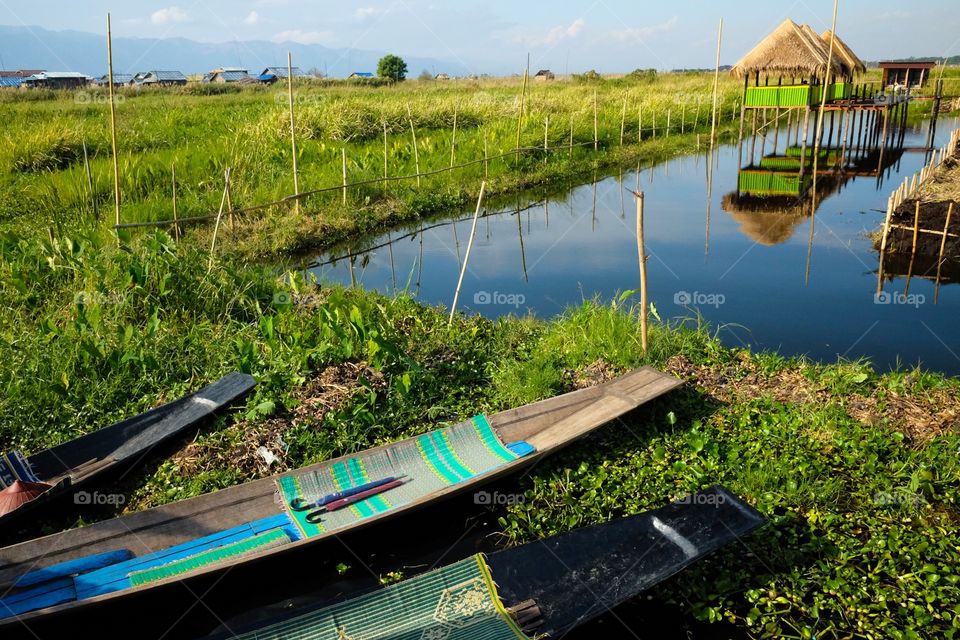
864	525
42	163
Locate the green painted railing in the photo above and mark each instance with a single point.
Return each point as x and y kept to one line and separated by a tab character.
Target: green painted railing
796	95
772	183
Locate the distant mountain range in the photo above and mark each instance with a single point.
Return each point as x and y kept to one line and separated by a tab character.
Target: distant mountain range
38	48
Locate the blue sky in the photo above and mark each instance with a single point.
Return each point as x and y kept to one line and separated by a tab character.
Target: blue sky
609	35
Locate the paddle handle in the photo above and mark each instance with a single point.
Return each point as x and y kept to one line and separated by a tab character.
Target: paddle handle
362	495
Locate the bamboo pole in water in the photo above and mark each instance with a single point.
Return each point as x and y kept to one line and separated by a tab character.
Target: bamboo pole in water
466	258
113	125
293	133
716	87
643	274
883	241
943	245
818	132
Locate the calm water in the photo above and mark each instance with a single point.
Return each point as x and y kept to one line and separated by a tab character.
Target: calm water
756	275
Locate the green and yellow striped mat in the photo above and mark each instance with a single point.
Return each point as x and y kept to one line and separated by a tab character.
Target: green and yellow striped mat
247	547
457	602
431	463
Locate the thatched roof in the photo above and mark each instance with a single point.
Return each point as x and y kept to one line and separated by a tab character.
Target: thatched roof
788	50
772	221
840	47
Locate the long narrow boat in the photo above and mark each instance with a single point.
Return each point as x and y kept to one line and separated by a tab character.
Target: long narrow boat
36	481
542	589
196	541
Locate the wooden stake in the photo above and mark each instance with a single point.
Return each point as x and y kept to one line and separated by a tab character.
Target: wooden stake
113	126
386	154
86	165
716	87
226	186
596	133
643	274
176	223
824	94
623	121
639	124
416	151
916	225
943	243
891	205
546	133
293	132
486	164
668	122
216	226
343	152
453	139
466	257
523	97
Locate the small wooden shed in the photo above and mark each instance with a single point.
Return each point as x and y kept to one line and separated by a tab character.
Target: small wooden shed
907	73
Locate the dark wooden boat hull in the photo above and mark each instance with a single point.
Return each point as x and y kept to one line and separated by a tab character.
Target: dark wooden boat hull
551	424
122	445
567	580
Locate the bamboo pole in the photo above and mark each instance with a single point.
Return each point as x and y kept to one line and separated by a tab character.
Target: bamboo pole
571	134
416	151
486	164
453	139
523	97
916	226
683	116
546	133
226	186
883	242
343	155
596	132
623	121
643	273
86	165
293	132
216	226
668	122
176	224
639	124
716	87
113	125
943	245
386	154
466	258
818	132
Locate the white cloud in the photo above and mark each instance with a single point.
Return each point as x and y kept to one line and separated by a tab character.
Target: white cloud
170	14
304	37
642	33
252	18
555	35
363	14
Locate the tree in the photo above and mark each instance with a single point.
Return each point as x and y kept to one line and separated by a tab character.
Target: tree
393	67
425	75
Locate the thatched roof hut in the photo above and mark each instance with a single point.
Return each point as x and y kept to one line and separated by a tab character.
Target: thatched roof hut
855	64
790	50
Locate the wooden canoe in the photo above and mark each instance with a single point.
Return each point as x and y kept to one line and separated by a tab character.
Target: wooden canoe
546	426
79	463
542	589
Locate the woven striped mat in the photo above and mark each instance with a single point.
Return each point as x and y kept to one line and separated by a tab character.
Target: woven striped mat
457	602
431	462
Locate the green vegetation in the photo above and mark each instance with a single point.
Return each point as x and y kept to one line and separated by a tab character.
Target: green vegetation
43	181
